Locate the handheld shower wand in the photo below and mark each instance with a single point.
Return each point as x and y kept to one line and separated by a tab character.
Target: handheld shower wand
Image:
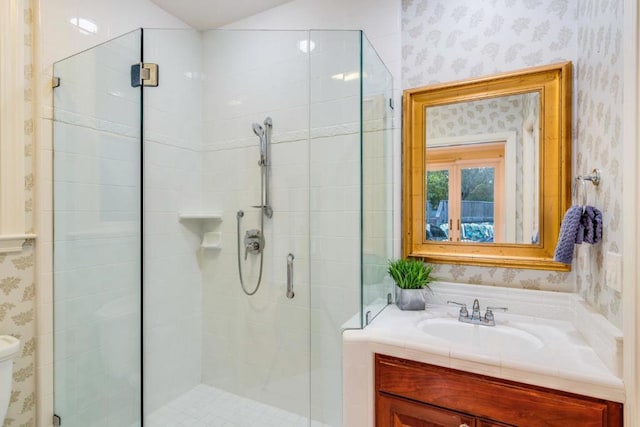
266	149
260	133
254	240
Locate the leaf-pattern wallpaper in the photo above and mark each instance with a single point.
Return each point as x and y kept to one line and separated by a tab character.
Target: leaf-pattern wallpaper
599	131
445	40
17	286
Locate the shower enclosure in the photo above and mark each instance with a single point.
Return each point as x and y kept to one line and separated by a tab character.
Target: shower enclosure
157	191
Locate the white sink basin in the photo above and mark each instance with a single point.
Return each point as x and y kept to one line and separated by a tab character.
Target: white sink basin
490	337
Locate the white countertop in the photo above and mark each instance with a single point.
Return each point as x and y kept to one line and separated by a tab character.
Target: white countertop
582	359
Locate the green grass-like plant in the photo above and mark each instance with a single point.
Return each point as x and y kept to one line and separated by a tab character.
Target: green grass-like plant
410	273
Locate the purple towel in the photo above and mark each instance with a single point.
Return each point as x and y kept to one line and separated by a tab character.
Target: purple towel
568	235
578	226
591	225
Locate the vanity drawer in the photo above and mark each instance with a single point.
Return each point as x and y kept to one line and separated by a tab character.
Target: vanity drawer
490	398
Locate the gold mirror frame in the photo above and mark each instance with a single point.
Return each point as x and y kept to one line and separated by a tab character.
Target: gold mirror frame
553	83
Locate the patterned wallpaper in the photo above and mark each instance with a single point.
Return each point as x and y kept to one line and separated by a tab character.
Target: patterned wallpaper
17	285
599	131
17	318
445	40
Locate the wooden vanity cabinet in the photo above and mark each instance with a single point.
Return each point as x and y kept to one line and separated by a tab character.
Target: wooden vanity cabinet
413	394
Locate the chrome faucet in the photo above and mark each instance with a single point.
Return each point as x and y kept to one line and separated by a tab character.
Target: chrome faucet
476	318
475	314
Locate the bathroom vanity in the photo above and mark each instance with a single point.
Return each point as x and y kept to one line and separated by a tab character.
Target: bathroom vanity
549	361
415	394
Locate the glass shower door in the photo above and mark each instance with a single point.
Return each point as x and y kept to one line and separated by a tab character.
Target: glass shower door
97	237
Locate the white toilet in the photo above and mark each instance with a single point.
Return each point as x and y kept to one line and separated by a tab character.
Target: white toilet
8	349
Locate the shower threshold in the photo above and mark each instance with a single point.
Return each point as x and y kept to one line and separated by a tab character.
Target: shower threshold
206	406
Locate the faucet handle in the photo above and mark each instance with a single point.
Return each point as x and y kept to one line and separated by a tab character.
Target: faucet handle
488	316
463	308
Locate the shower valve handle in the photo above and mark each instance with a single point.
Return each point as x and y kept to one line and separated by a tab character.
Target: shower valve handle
253	242
252	247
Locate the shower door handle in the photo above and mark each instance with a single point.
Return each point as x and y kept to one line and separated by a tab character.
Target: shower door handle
290	259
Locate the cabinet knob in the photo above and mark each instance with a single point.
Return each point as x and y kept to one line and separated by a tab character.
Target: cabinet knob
464	425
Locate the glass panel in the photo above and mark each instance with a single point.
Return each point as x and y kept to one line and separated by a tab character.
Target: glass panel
477	197
437	209
97	229
233	358
377	178
173	184
335	212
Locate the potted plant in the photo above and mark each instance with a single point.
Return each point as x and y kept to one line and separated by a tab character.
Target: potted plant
412	277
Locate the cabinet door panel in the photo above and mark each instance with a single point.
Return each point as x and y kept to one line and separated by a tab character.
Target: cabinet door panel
396	412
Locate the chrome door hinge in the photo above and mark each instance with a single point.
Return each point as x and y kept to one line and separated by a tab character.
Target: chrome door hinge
144	74
55	82
57	421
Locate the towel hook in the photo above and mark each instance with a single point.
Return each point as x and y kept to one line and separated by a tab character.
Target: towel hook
595	180
594	177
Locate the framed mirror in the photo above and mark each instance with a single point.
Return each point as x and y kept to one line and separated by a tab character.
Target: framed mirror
487	168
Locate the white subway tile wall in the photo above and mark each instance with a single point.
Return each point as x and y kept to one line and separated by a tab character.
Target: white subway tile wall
172	184
258	346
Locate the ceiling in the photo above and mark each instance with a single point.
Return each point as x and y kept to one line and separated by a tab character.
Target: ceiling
204	14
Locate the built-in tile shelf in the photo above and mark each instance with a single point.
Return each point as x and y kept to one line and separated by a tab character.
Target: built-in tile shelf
193	216
209	221
211	240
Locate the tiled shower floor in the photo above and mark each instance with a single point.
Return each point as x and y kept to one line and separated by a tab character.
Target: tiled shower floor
206	406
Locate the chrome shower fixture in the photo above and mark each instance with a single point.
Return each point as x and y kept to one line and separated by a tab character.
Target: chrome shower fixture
254	239
259	131
264	133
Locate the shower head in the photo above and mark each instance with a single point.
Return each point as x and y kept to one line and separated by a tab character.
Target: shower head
258	130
